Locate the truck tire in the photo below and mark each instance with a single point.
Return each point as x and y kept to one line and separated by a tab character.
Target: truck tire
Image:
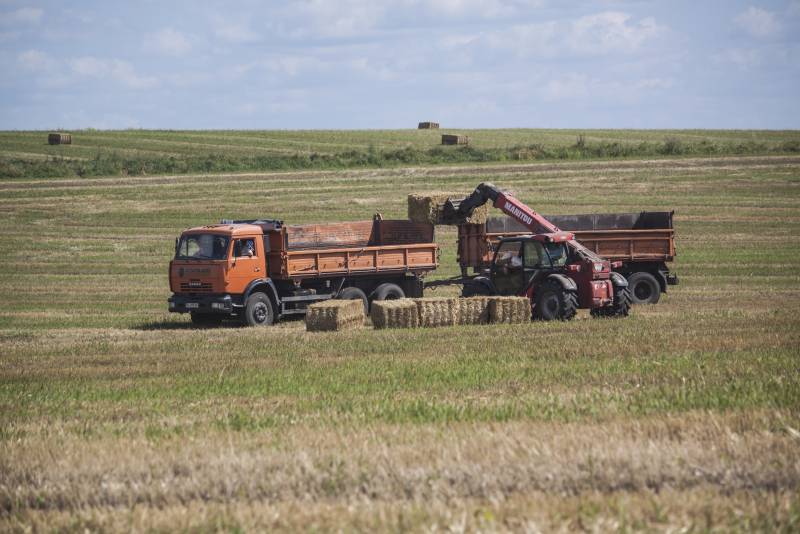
258	310
644	288
387	292
204	320
353	293
619	308
553	302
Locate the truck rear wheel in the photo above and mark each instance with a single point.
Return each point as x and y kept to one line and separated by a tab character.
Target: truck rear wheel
388	292
553	302
619	308
644	288
353	293
258	310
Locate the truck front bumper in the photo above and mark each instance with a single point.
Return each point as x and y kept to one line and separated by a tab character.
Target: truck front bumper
223	304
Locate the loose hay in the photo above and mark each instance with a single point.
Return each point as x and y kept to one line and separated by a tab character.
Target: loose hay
401	313
437	311
335	315
473	310
429	208
509	310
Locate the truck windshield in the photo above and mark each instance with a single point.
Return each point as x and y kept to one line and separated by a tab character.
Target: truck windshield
202	247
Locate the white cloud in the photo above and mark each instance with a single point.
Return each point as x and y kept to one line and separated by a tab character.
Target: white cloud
236	32
168	41
611	31
758	22
25	15
744	58
573	86
114	69
34	60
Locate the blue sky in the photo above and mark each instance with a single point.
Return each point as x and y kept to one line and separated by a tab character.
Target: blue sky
373	64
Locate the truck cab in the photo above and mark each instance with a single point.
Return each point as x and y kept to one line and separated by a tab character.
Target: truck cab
212	267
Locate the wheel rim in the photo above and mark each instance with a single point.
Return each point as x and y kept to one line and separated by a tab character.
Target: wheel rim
550	305
260	312
643	291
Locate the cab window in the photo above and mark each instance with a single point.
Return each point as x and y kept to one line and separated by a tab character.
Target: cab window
244	248
508	255
535	257
558	253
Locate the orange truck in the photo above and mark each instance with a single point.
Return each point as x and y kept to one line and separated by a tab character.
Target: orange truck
260	271
641	244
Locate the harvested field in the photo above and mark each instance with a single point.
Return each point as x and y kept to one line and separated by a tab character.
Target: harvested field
428	208
400	313
117	415
509	310
335	315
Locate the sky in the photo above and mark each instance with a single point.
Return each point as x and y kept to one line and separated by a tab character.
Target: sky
373	64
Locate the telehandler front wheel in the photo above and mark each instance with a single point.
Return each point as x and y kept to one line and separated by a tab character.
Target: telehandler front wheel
552	302
619	308
258	310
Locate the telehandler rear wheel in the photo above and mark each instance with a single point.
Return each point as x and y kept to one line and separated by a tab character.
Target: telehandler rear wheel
553	302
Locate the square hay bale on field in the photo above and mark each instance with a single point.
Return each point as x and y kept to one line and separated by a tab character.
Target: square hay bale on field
429	208
335	315
437	311
473	310
509	310
400	313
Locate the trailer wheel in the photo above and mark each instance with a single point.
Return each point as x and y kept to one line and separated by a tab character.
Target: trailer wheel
387	292
475	290
353	293
202	320
258	310
619	308
644	288
553	302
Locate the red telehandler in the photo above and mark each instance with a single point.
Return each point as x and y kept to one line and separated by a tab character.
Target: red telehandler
558	274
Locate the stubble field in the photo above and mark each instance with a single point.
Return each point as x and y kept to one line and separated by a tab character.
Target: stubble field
117	415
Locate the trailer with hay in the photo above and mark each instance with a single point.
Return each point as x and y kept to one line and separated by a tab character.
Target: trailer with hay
640	243
546	264
262	270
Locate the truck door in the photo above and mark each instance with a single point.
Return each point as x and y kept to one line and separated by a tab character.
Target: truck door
535	261
246	263
507	269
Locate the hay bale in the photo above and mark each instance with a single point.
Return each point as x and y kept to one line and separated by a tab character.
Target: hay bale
473	310
437	311
509	310
428	208
59	139
428	126
450	139
335	315
400	313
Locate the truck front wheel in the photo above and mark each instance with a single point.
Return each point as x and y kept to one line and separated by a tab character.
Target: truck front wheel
258	310
645	289
553	302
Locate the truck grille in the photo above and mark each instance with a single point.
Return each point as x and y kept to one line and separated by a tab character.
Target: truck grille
196	287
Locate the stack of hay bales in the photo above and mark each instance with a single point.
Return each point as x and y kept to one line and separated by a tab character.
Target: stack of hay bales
400	313
429	208
509	310
437	311
335	315
473	310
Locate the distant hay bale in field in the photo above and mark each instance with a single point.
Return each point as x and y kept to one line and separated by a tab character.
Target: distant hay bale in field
335	315
509	310
450	139
428	126
429	208
473	310
400	313
59	139
437	311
